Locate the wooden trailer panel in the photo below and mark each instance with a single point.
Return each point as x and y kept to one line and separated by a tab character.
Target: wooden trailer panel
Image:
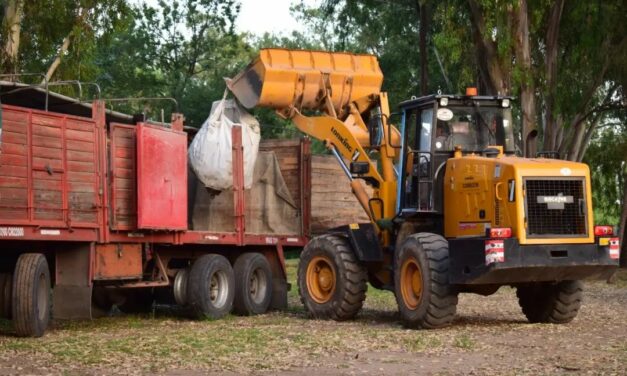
123	166
48	169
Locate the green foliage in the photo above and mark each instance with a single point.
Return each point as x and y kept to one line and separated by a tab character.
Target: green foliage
607	158
88	23
181	49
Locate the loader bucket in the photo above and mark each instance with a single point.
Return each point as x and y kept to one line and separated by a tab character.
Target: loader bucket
280	78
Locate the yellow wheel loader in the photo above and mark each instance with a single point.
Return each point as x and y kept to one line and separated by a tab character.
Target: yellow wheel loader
452	208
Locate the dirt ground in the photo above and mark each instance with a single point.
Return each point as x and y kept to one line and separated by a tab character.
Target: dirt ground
489	336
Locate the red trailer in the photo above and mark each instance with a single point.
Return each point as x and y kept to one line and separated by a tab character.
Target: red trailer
95	208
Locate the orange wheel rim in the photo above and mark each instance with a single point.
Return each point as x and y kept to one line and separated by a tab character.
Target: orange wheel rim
321	279
411	283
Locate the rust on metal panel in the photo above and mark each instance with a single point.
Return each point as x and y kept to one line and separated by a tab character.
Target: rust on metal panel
118	261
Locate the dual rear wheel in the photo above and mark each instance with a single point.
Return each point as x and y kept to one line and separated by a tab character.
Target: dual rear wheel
214	288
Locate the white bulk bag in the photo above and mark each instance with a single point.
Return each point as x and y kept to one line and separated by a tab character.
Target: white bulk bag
211	154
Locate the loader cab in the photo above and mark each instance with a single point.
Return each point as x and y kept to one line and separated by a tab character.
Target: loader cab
432	127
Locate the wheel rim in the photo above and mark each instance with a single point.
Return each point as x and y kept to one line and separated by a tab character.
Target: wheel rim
258	285
321	279
411	283
42	297
218	289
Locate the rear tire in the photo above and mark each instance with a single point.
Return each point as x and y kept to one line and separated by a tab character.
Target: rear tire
331	281
253	284
546	302
31	295
211	287
424	296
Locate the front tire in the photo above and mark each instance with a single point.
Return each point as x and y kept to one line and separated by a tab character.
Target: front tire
31	295
424	296
210	287
331	281
546	302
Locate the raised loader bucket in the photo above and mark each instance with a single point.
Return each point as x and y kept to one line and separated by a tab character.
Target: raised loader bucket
280	78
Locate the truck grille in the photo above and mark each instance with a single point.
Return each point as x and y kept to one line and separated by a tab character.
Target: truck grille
555	207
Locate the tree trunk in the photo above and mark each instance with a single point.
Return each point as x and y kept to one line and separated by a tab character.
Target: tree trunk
487	58
552	47
522	49
55	64
425	24
13	10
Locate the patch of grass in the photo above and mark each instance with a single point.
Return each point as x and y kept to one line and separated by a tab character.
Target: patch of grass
463	341
422	342
382	300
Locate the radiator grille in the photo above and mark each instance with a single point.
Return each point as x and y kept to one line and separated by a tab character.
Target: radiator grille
555	207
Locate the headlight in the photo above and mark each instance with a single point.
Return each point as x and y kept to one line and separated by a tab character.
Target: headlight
443	102
505	103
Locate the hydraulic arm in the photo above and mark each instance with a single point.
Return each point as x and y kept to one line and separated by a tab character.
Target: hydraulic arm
335	98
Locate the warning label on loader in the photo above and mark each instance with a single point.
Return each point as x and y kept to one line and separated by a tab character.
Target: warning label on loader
494	251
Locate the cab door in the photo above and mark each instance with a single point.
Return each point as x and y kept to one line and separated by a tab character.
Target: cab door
416	175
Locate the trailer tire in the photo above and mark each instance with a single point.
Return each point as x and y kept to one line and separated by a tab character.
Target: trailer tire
31	301
424	296
210	287
556	303
253	284
332	283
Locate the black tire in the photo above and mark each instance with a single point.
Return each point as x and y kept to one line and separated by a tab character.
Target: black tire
137	301
424	296
31	303
211	287
253	284
6	293
546	302
345	298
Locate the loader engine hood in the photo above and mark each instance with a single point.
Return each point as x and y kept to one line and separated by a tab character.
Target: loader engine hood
541	200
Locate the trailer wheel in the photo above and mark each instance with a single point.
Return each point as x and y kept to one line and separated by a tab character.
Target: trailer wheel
556	303
6	292
253	284
331	281
210	287
31	295
424	296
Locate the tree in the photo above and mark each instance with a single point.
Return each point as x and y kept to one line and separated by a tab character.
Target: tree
42	34
179	49
11	27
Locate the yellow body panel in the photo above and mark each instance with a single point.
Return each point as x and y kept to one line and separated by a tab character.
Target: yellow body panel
473	184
